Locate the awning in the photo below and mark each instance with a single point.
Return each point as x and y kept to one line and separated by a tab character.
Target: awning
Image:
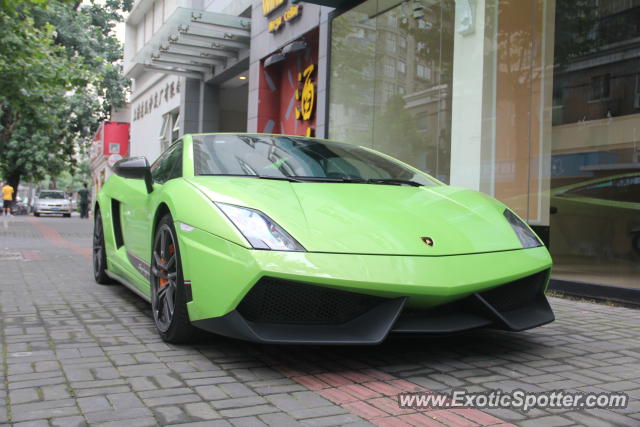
196	44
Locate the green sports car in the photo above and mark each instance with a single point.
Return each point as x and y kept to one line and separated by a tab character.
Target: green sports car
286	239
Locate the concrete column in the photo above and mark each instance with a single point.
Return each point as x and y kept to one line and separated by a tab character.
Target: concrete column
473	97
200	109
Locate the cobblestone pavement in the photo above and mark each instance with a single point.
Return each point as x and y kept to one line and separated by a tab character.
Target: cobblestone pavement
76	353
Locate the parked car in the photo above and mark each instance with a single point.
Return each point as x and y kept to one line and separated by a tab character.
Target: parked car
286	239
52	202
597	217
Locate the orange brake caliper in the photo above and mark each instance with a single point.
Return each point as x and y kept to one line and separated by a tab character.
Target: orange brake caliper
163	280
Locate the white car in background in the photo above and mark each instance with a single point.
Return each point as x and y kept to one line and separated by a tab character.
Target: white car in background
52	202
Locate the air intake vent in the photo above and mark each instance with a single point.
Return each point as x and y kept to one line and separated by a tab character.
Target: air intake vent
279	301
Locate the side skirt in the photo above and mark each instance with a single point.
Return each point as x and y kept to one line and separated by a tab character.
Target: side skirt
129	285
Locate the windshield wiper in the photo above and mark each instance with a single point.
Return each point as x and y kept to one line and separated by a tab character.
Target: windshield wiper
329	179
277	178
239	175
394	181
389	181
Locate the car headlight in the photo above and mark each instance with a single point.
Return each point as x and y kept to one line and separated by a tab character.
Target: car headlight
527	237
260	230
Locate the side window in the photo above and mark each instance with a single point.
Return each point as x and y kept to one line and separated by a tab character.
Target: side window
169	164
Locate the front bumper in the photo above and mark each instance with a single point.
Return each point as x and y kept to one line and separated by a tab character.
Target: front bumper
407	294
53	211
297	316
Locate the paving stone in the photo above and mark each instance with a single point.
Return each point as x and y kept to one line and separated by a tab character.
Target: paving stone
237	403
279	420
211	392
124	401
112	415
236	390
586	419
170	415
247	422
548	421
76	421
337	420
172	400
94	404
35	423
213	423
84	392
247	411
24	395
137	422
201	411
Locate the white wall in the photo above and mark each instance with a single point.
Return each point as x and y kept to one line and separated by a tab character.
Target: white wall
145	131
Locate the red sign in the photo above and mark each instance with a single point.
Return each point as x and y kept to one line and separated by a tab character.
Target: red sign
115	139
288	92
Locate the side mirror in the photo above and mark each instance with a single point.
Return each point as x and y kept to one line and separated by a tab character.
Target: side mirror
135	168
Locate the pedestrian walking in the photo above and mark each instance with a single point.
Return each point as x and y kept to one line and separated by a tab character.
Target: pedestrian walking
7	198
83	195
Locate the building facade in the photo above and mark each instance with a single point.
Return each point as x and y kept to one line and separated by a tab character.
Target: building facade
189	63
534	102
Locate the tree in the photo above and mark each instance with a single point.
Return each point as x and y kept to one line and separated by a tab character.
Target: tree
60	74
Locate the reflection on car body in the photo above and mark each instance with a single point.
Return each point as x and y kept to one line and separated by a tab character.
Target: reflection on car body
598	217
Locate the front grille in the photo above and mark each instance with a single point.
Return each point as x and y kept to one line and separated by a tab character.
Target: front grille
517	293
281	301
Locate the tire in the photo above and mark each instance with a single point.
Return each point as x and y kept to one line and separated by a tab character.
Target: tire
99	253
67	215
168	296
36	214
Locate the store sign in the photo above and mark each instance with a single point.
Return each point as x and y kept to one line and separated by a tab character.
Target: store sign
268	6
306	97
289	15
155	100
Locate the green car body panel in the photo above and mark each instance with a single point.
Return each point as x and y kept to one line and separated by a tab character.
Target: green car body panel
359	238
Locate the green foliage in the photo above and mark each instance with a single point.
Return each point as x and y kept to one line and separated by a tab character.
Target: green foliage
60	74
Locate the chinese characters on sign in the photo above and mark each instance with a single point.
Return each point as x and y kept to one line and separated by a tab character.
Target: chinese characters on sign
156	99
269	6
306	97
289	15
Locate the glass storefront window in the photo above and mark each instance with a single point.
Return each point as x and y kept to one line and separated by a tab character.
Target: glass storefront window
395	81
595	173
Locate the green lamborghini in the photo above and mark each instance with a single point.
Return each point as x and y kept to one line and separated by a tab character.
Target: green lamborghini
287	239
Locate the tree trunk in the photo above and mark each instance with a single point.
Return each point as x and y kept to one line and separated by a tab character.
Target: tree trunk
14	181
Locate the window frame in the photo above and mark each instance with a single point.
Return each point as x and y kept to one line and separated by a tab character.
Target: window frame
175	171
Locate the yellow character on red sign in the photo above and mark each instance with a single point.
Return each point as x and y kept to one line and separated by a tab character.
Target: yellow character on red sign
307	98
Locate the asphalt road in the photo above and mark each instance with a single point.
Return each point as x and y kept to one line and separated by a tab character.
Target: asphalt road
77	353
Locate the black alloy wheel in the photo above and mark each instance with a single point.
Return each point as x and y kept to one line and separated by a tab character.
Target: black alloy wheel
99	252
168	297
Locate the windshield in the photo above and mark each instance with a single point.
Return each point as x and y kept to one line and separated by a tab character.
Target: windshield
51	195
296	158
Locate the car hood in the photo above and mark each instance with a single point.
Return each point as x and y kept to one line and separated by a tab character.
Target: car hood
372	219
